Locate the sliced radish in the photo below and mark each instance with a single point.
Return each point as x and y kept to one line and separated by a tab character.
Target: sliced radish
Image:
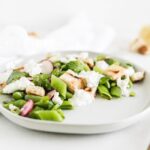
46	66
27	108
51	94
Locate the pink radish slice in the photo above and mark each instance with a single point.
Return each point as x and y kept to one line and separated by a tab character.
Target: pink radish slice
46	66
27	108
51	94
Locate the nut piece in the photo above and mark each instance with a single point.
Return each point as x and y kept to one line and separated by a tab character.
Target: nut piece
115	71
140	46
35	90
142	43
51	94
89	62
138	76
73	80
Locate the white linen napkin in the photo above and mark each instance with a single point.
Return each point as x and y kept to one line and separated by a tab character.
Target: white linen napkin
79	34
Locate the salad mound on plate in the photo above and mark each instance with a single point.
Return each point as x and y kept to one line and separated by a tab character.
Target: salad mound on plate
43	89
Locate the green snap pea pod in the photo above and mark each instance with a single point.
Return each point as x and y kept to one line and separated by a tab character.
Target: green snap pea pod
130	84
113	84
98	70
53	115
116	91
59	85
18	103
101	57
44	103
6	105
61	113
132	93
68	95
55	107
104	92
105	81
33	97
31	114
18	95
66	105
16	110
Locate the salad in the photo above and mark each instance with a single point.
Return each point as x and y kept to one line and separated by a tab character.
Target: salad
44	89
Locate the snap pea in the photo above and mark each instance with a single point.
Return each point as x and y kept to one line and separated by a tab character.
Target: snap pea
105	81
130	84
16	110
104	92
116	91
113	84
67	105
18	95
59	85
31	114
53	115
101	57
18	103
132	93
15	75
44	103
68	95
55	107
33	97
98	70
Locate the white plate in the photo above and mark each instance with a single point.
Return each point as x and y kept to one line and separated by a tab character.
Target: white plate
100	117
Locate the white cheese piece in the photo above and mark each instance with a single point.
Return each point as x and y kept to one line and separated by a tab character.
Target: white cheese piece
124	84
102	65
4	76
129	71
67	58
12	107
91	77
32	68
56	99
81	98
20	84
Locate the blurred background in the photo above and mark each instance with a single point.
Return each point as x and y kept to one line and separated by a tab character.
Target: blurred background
47	15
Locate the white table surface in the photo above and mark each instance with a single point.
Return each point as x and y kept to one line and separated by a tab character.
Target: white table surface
125	16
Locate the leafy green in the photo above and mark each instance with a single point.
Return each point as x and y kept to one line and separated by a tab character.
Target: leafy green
76	66
104	92
42	80
15	75
111	61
